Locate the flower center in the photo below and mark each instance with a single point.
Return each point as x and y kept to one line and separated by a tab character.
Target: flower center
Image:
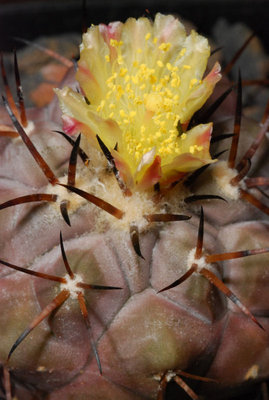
144	98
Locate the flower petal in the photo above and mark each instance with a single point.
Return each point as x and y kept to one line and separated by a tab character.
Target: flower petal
195	153
152	174
199	95
142	81
80	117
92	68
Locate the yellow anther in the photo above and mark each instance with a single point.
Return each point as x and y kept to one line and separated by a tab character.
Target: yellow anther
139	50
111	115
120	60
142	129
135	79
182	52
175	82
186	66
165	46
160	63
169	66
183	136
120	91
191	149
112	78
168	93
155	40
148	36
135	63
152	79
101	106
168	115
193	82
176	121
142	87
107	58
132	114
115	43
143	70
109	93
137	100
122	113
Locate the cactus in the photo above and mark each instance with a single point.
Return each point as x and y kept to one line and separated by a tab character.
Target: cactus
133	252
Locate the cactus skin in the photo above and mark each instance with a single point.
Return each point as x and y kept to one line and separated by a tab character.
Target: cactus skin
139	333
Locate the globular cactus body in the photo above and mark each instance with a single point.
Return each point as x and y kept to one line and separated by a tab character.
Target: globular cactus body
143	286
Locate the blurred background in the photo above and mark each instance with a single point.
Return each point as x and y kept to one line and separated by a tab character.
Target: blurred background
31	19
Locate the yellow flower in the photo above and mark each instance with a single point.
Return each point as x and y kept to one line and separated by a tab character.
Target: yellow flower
141	82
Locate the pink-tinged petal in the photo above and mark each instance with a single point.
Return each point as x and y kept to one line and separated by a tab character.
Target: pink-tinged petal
201	93
82	67
81	117
180	166
111	31
133	37
123	168
94	49
169	29
195	154
88	83
70	125
214	75
152	174
170	178
197	140
186	163
204	138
